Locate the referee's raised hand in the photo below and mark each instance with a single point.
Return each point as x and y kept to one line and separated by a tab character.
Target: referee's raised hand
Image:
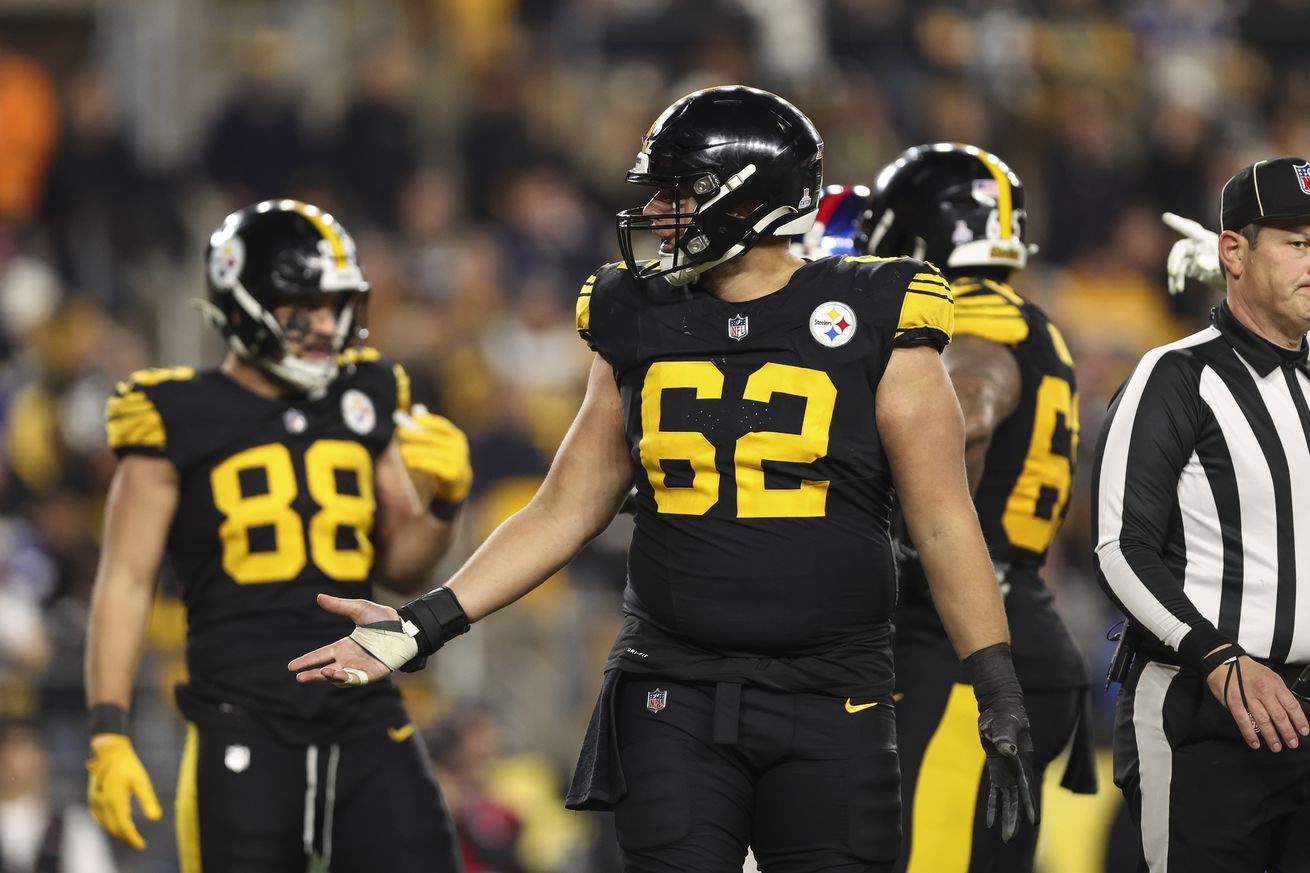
1260	703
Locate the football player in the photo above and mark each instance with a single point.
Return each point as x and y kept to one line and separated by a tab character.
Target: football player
283	472
765	407
962	208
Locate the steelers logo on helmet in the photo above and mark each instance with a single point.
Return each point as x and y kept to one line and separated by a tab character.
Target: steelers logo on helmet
227	259
832	324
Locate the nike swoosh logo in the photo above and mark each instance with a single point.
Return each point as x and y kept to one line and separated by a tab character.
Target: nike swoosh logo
856	707
400	734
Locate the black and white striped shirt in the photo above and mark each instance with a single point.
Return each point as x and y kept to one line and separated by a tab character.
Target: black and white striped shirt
1202	509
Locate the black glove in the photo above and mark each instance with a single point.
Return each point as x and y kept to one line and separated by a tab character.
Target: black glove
1003	729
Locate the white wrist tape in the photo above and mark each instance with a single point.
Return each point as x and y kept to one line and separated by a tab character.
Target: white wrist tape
395	648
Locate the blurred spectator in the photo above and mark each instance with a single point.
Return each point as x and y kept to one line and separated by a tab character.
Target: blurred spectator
377	148
494	139
102	212
38	835
256	146
29	125
488	830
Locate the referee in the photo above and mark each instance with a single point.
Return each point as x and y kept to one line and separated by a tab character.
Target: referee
1202	522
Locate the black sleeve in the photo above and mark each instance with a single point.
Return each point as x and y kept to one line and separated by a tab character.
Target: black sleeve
1149	435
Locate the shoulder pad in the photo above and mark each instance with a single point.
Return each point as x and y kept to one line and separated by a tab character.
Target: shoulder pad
927	314
373	373
403	400
596	285
990	311
132	421
358	355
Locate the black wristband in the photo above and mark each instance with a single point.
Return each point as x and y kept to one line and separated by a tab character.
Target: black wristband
443	511
991	672
108	718
438	617
1220	656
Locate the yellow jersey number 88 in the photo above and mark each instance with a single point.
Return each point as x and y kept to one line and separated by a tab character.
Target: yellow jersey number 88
273	509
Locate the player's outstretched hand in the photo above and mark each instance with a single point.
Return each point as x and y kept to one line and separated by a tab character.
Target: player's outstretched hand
1003	728
1195	256
347	663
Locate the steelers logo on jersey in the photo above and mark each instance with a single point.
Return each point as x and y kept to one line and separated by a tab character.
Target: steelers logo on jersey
832	324
357	410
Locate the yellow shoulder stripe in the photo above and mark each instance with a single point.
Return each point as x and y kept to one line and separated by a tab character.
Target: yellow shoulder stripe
131	419
582	313
357	355
864	259
1005	291
1007	330
402	387
990	315
156	375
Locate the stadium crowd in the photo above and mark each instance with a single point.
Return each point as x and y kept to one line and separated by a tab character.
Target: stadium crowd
478	150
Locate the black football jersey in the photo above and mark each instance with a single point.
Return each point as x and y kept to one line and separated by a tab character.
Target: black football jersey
276	503
1023	495
761	548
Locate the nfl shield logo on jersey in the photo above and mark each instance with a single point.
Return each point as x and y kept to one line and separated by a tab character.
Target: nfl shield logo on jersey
738	326
657	699
1303	176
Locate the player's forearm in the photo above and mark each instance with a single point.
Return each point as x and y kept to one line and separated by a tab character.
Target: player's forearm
963	582
116	632
413	552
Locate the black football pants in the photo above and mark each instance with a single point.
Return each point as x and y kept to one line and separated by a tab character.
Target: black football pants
249	803
809	782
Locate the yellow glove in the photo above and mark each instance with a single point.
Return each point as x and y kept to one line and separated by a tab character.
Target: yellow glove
431	444
117	775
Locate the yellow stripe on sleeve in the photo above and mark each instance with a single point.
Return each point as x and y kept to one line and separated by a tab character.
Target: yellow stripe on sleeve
131	420
927	304
358	355
583	311
990	316
402	387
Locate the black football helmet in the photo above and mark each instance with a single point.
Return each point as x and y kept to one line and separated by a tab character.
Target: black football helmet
276	253
751	161
954	205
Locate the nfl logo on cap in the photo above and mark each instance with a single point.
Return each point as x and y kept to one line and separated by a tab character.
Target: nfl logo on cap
1303	176
657	699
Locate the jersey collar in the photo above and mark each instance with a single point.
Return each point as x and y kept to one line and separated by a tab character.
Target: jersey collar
1262	355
